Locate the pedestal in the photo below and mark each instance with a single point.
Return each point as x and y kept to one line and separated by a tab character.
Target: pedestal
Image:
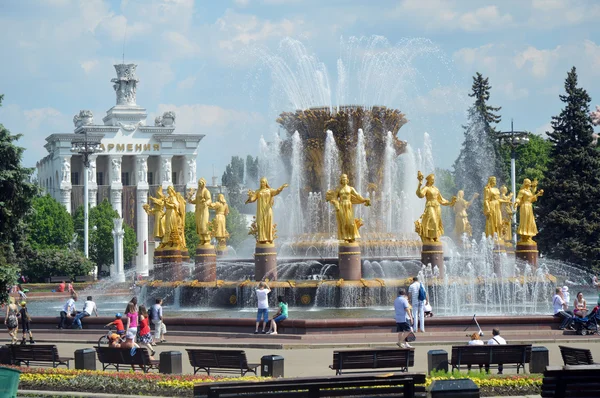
265	262
349	261
206	264
498	253
527	252
432	253
168	265
221	248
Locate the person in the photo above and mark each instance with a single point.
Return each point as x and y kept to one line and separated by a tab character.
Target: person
496	339
560	309
262	297
145	332
67	311
280	316
428	310
403	318
114	341
429	226
264	197
61	287
417	305
595	281
156	317
566	295
475	340
133	301
21	292
129	341
25	320
118	322
70	288
527	195
89	308
11	321
131	312
580	306
342	198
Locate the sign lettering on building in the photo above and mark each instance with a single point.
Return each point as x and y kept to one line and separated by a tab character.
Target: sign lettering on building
130	147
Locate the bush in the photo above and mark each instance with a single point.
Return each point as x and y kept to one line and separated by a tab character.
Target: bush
44	263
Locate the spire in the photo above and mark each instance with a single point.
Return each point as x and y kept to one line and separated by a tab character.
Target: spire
125	84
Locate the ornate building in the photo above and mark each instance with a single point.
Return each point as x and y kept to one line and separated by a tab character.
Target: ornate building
134	160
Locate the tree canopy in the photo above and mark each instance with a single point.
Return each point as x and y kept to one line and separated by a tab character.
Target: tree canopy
49	224
233	180
569	220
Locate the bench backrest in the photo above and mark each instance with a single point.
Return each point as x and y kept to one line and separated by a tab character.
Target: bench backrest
576	356
360	359
42	353
571	381
491	354
233	359
123	356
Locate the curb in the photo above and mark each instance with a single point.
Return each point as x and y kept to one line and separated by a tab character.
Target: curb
42	393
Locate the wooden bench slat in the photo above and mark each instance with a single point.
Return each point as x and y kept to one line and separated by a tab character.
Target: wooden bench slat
379	358
221	361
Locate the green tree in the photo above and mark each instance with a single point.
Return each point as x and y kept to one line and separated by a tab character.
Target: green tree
480	90
531	158
569	220
251	170
100	235
233	179
43	263
49	224
191	237
237	227
16	194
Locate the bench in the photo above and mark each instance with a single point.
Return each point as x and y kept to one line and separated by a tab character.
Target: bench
378	358
492	354
400	385
571	381
221	361
84	278
576	356
37	355
109	356
58	279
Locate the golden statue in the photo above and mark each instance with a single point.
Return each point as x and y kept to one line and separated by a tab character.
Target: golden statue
507	213
172	236
527	195
264	210
181	201
219	230
342	198
492	209
202	200
158	210
461	220
429	226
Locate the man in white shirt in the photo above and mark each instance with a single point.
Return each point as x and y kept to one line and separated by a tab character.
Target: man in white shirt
89	307
496	339
560	309
418	306
67	310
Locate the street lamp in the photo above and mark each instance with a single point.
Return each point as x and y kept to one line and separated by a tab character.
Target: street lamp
513	139
85	147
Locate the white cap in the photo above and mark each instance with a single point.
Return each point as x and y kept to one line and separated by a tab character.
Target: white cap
130	336
565	288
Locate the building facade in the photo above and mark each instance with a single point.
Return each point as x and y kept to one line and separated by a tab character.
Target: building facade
134	161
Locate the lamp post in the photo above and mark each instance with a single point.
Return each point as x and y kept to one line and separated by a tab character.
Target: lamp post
513	139
85	147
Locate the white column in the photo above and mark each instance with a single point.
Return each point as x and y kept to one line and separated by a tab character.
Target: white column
92	182
166	169
118	267
142	217
65	182
189	171
116	185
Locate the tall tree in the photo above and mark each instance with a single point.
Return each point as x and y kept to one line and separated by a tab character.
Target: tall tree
233	180
479	157
251	170
531	158
16	194
569	220
49	224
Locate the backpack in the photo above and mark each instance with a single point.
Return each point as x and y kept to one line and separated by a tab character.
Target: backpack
422	293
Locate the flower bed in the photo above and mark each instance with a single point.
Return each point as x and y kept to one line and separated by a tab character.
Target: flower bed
137	383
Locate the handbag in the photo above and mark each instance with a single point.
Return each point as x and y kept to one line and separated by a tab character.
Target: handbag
410	337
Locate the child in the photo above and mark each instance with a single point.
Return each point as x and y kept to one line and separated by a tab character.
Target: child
280	316
145	332
114	341
25	319
119	324
132	317
428	310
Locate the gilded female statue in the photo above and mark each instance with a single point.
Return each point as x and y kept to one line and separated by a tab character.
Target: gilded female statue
507	213
492	210
172	235
158	210
202	200
429	226
221	209
527	195
342	198
264	209
461	220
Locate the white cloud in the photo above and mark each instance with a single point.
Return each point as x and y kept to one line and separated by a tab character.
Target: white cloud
537	61
486	55
87	66
550	14
592	51
442	100
541	130
486	18
187	83
180	45
512	91
36	117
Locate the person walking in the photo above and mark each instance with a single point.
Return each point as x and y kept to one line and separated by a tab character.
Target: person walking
89	308
67	311
131	312
403	318
262	297
417	296
496	339
156	318
11	321
25	320
145	332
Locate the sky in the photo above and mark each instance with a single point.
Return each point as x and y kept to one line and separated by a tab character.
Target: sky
228	68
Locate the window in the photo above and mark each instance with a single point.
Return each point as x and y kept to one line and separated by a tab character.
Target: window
150	178
125	178
100	178
74	178
174	177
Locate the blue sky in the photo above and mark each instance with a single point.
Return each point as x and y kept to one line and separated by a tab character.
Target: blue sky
205	60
